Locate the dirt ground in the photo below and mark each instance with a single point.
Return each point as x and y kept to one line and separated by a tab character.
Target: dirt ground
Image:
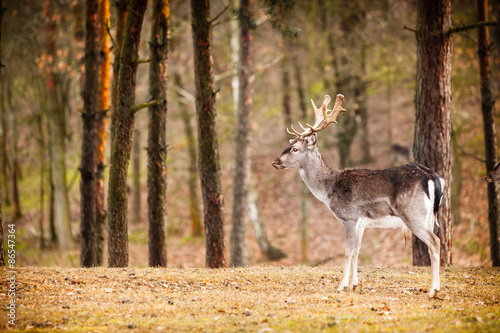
257	299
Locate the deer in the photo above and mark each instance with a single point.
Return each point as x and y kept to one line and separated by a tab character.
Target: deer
494	174
406	196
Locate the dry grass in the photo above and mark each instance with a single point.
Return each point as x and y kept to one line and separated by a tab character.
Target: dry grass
258	299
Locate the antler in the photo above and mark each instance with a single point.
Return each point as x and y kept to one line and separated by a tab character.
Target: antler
323	118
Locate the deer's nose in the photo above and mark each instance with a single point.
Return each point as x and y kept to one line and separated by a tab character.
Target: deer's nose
277	164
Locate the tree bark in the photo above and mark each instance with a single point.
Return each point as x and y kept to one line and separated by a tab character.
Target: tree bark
304	192
102	123
2	253
136	177
196	227
285	81
208	163
57	130
456	175
41	143
5	156
88	168
121	16
300	88
362	97
490	138
122	142
15	160
239	221
432	142
157	141
259	228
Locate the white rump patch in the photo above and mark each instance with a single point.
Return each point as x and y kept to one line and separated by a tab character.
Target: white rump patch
429	205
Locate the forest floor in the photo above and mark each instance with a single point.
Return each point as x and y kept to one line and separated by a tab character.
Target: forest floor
257	299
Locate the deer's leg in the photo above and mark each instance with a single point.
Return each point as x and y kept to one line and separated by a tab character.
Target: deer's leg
433	244
354	278
350	245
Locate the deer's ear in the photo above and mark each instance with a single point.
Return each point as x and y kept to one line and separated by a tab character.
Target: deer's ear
312	139
291	140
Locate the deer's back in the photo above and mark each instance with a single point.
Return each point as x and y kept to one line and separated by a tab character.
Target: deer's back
377	193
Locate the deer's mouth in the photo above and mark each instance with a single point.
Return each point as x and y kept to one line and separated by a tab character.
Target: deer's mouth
278	165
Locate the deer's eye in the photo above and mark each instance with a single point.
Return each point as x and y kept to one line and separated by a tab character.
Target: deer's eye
295	150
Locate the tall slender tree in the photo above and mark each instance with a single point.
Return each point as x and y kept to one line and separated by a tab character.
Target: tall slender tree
157	141
88	168
239	221
122	141
490	137
136	176
208	163
15	171
196	225
432	142
57	133
121	16
102	122
2	253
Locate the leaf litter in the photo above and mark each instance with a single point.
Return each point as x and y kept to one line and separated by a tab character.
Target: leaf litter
252	299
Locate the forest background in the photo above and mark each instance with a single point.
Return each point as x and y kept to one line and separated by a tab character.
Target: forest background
380	49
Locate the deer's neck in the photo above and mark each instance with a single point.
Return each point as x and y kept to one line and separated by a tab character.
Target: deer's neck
318	176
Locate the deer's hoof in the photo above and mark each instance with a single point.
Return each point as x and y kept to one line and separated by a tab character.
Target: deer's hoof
342	287
433	293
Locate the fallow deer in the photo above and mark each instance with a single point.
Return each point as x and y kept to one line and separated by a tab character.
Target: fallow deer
407	196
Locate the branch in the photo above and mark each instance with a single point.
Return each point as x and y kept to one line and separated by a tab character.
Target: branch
473	26
410	29
220	14
144	61
224	75
464	153
183	93
144	105
108	29
259	69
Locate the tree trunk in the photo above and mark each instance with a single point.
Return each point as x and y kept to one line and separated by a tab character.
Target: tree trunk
157	141
121	16
432	142
456	175
136	177
2	254
495	36
102	123
41	143
300	88
57	137
304	192
88	168
52	213
258	226
347	128
235	54
362	97
389	120
15	160
490	138
196	227
5	156
207	136
285	81
122	142
239	221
